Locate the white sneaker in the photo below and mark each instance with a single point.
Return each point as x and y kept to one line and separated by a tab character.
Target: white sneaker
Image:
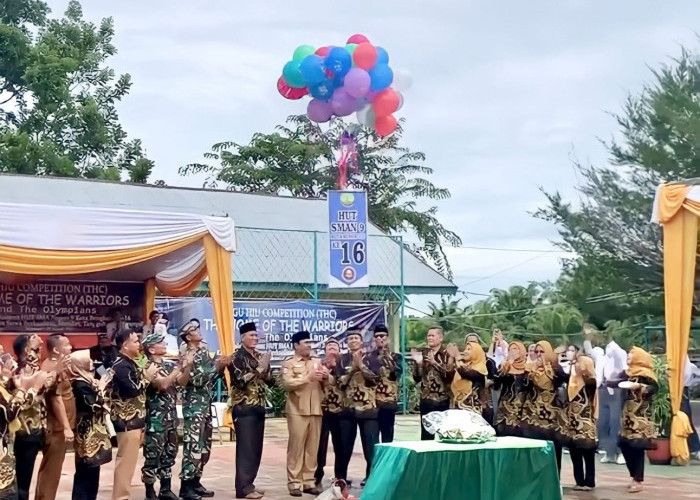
606	459
620	460
695	456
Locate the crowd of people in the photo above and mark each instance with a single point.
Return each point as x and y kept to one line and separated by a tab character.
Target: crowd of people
124	393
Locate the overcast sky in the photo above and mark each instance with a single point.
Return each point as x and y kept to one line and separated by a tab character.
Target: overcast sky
505	93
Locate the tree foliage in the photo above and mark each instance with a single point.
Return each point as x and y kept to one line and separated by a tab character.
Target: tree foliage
618	252
58	97
299	160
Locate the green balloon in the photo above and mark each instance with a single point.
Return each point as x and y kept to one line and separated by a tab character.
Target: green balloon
302	51
351	47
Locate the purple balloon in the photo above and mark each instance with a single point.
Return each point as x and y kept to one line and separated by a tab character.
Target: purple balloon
343	103
357	82
319	111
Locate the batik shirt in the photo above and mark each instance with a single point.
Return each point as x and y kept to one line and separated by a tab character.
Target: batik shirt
32	414
435	379
128	395
387	392
360	386
248	385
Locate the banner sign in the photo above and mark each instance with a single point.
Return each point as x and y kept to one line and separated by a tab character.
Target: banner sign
347	235
68	306
277	321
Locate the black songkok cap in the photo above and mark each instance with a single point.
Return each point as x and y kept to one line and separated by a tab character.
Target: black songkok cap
247	327
381	329
299	336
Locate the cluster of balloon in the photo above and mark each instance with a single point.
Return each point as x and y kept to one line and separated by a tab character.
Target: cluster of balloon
355	78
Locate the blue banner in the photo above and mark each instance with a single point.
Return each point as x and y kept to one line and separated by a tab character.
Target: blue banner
277	321
347	236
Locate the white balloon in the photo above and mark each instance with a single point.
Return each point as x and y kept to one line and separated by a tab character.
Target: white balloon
366	116
402	80
400	101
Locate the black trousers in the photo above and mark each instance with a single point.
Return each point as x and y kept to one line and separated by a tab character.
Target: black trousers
86	482
329	425
250	432
579	457
693	440
428	407
26	450
369	435
634	457
558	451
387	420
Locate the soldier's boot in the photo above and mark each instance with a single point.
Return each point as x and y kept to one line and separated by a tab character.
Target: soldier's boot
201	490
151	492
187	491
165	492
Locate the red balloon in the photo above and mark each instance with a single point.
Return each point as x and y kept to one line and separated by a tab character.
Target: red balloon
290	92
386	102
385	125
358	39
365	56
322	51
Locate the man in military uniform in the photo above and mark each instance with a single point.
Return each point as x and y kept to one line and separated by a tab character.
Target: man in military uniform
161	440
360	375
303	376
250	376
388	385
196	412
434	369
332	406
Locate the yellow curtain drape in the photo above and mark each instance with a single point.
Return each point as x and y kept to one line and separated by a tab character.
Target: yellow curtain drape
149	298
64	262
680	233
221	291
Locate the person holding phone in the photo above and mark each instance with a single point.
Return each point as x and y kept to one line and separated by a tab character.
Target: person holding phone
510	381
434	369
498	350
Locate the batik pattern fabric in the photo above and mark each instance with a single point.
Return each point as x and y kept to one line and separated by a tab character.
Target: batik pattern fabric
128	395
10	406
32	414
161	440
637	428
248	385
391	368
475	399
333	395
92	443
510	404
360	385
435	379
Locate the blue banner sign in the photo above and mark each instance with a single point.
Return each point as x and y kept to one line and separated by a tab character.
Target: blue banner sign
347	235
277	321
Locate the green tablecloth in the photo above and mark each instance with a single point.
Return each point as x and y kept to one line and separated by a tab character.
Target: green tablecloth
507	469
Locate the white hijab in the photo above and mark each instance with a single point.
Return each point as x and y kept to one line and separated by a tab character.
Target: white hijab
614	363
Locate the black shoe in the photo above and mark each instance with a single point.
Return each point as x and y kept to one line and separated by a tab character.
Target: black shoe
187	491
312	491
165	492
151	492
201	490
295	493
363	482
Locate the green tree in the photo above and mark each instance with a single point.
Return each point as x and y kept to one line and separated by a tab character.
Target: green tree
58	97
299	160
617	250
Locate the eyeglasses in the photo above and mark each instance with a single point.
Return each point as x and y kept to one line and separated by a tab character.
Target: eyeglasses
538	352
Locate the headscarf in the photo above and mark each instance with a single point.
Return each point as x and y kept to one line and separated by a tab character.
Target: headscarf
80	367
543	375
549	356
517	366
640	364
576	381
477	362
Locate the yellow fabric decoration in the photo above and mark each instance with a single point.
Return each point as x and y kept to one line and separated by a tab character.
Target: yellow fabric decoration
221	291
679	217
149	299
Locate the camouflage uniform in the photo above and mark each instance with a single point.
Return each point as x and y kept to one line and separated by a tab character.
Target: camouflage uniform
196	411
161	441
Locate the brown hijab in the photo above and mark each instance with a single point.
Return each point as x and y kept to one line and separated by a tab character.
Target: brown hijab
516	366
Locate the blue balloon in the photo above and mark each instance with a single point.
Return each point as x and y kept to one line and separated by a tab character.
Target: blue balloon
381	77
312	70
339	61
382	56
338	81
292	75
322	91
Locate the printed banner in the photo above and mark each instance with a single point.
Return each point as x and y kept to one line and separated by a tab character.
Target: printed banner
68	306
347	235
277	321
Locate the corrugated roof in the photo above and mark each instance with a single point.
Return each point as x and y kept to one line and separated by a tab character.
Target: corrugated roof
274	233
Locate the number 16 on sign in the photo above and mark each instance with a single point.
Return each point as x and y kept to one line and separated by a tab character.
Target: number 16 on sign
347	235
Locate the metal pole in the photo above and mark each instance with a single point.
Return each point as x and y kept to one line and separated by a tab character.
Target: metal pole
315	266
402	333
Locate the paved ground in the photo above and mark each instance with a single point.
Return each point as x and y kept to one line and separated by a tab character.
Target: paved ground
674	483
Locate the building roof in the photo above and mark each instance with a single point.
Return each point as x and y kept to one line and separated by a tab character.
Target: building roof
275	234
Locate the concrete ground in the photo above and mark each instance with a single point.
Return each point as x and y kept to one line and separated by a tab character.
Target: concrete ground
674	483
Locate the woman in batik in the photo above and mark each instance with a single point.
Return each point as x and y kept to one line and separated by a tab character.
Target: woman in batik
93	447
580	416
541	415
510	380
469	383
637	428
